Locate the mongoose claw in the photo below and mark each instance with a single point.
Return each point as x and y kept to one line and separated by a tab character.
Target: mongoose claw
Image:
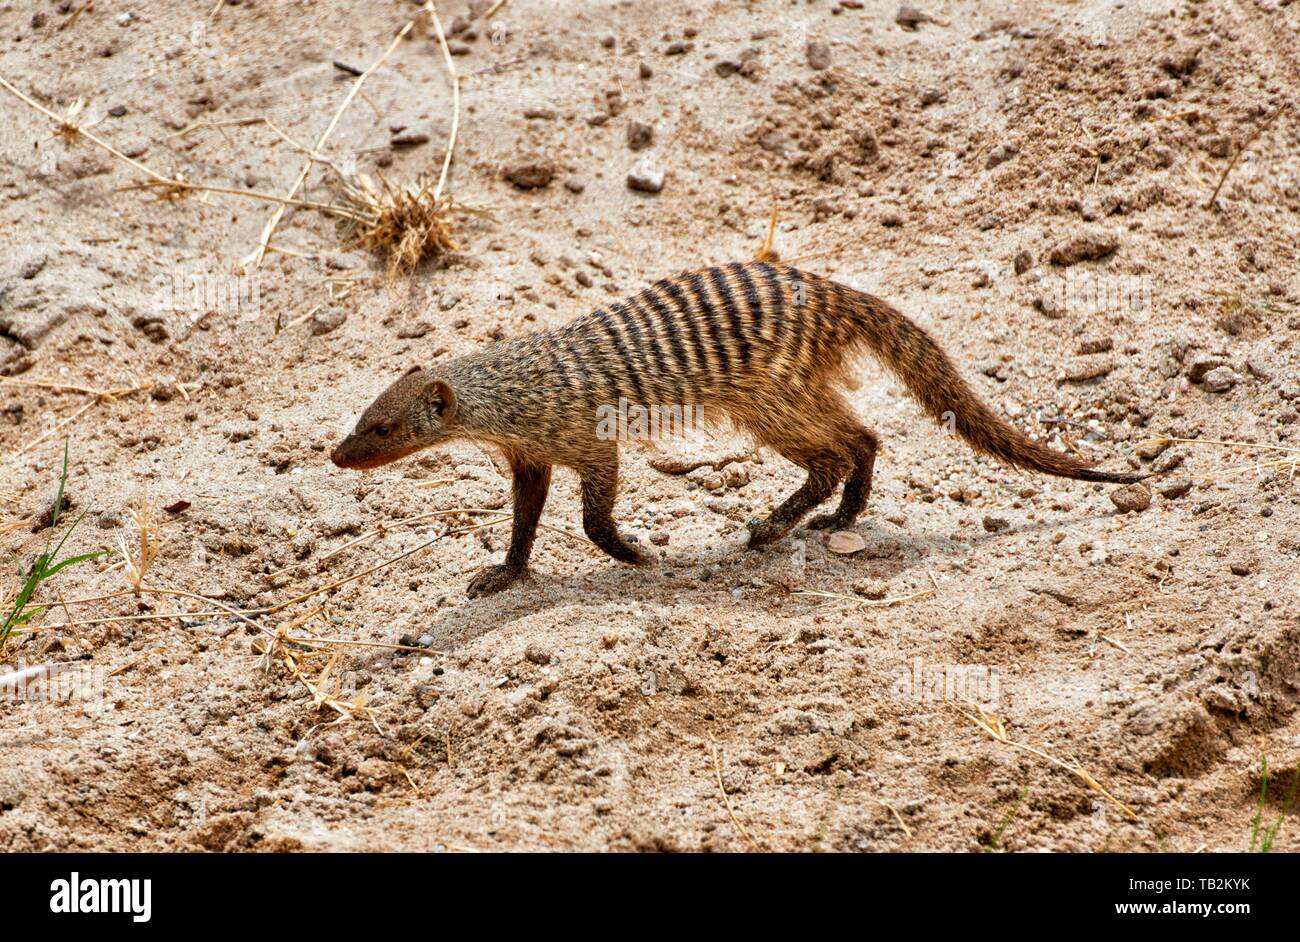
492	579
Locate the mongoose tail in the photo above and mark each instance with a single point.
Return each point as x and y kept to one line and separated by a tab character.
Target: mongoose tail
912	354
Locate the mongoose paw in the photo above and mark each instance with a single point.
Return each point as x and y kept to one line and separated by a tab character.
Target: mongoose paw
493	579
763	532
608	541
626	553
831	521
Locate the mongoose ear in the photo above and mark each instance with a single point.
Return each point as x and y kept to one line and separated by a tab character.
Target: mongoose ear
414	369
444	400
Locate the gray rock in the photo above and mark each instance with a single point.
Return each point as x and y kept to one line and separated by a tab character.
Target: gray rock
530	175
933	95
1169	460
1152	449
1257	369
330	319
1001	155
1087	247
1202	364
109	520
645	177
819	55
909	17
1220	379
410	137
1172	490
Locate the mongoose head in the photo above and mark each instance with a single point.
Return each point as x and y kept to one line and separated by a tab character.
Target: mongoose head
415	412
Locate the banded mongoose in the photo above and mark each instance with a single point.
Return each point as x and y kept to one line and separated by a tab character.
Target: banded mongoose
765	345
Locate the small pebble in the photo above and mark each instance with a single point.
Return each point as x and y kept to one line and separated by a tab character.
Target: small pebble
645	178
639	135
1220	380
1172	490
1131	499
819	55
845	542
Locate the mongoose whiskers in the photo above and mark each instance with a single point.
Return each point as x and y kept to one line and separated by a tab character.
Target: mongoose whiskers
766	345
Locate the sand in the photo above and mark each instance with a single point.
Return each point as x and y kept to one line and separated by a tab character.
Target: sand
1030	181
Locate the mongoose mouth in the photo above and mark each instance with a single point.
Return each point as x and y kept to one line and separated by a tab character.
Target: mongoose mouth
344	457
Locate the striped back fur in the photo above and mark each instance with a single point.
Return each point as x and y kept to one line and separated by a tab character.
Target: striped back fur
765	344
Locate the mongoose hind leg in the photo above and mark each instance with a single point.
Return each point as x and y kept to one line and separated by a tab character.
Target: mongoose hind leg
599	485
824	472
856	489
531	483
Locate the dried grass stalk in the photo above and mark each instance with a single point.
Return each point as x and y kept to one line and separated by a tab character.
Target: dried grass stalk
325	692
1290	465
151	541
993	726
873	603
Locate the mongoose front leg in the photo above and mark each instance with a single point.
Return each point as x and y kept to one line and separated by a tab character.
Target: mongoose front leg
856	489
599	484
531	482
822	478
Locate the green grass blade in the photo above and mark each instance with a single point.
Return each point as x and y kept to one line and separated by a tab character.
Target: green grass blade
72	560
46	565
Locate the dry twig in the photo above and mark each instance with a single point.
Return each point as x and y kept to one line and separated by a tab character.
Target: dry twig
993	726
104	394
1289	464
1259	129
726	800
873	603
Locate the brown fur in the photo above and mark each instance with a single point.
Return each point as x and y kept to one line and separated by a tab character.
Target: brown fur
764	344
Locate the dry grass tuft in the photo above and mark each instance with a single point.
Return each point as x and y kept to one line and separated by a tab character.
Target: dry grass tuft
767	252
18	523
151	541
1241	149
69	129
294	653
726	799
405	224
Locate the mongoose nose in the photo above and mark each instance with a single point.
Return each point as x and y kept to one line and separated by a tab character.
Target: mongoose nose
336	455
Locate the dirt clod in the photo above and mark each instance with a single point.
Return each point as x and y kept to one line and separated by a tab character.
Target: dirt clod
1132	498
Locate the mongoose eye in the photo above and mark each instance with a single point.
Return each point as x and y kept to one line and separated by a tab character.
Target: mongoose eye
383	431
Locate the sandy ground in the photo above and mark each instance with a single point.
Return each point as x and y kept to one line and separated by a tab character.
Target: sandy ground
1028	180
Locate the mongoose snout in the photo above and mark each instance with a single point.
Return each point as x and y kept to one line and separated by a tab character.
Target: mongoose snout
766	345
